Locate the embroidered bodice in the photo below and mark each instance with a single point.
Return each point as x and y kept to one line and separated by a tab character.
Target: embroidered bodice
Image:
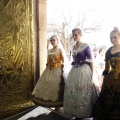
55	59
112	63
81	55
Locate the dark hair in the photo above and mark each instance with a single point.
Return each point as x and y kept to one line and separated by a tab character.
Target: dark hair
115	30
78	30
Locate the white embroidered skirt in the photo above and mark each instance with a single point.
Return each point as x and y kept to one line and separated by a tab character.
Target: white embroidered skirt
79	92
49	88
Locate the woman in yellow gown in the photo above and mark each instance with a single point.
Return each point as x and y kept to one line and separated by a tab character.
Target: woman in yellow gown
49	89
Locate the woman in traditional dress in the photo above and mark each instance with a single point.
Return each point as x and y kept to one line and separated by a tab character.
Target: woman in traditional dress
49	89
108	103
78	86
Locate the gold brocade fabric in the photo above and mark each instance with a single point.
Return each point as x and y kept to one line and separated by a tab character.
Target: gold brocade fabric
16	56
115	66
55	61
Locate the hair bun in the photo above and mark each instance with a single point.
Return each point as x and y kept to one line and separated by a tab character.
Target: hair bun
115	28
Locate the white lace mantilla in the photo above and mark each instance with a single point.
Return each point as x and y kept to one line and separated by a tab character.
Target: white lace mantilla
58	51
80	49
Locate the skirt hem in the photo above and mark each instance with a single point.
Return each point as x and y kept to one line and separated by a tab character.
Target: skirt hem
47	103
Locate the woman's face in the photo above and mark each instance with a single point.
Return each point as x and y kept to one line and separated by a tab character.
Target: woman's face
54	41
115	38
76	36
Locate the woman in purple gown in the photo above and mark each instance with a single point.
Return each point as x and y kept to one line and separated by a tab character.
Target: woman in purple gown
78	86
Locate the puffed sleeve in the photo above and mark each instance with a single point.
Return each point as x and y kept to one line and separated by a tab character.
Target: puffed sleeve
88	53
107	65
61	56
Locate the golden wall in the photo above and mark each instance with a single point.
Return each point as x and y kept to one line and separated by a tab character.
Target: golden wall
16	55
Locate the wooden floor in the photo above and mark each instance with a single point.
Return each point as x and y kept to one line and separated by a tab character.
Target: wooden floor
41	113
